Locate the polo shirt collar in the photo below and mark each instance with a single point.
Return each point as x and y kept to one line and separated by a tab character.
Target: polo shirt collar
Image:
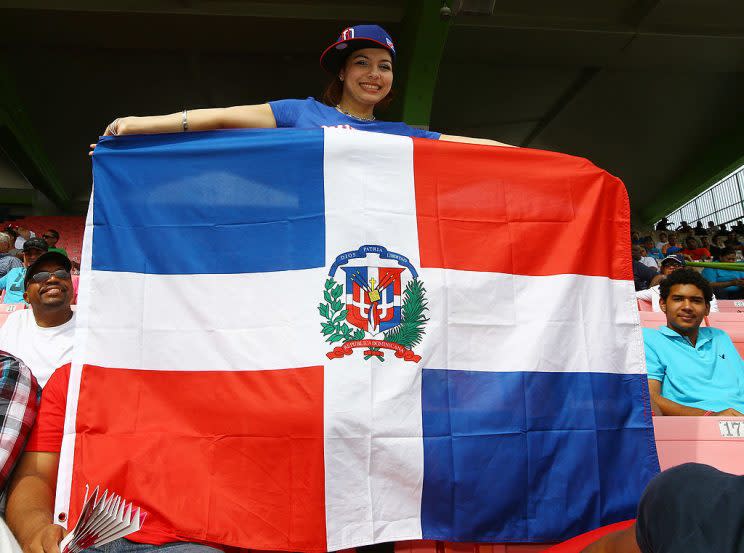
703	335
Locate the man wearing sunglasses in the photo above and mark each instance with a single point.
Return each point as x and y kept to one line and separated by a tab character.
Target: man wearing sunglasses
51	237
42	336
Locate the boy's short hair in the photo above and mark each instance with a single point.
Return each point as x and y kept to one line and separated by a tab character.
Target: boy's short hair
686	276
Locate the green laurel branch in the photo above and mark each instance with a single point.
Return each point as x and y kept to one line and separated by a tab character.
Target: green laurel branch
333	310
410	331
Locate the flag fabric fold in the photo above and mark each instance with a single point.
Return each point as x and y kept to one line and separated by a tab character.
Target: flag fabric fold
310	340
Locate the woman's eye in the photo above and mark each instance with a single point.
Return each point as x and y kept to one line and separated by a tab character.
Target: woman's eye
385	67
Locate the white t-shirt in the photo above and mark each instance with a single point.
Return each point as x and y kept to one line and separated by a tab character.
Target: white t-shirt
42	349
649	261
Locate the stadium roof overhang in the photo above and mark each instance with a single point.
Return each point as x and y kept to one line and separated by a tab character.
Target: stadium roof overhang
650	90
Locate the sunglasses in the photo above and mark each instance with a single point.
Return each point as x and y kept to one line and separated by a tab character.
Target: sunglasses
43	276
48	236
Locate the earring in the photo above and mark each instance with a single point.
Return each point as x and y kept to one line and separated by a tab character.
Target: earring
340	77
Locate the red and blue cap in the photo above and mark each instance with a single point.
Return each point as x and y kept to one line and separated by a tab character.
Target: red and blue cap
355	38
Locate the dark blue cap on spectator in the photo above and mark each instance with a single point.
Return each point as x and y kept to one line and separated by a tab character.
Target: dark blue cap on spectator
61	258
355	38
674	258
35	244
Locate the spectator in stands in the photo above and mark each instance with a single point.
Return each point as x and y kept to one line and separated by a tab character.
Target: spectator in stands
684	227
647	260
7	261
694	251
663	241
51	237
717	247
651	250
687	508
727	285
739	227
663	224
642	274
692	370
12	283
635	237
19	401
712	229
699	230
42	336
668	266
23	235
671	247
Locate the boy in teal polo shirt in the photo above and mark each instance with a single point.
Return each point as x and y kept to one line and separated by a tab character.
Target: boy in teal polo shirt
691	370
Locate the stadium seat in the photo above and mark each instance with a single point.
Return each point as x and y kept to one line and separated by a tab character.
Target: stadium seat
700	440
732	324
652	319
731	306
644	305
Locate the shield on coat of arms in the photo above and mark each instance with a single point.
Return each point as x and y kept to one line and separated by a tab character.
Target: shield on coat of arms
373	297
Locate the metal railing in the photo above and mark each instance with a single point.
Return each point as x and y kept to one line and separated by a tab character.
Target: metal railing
722	203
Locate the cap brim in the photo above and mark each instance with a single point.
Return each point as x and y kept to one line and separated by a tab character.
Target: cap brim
330	59
48	256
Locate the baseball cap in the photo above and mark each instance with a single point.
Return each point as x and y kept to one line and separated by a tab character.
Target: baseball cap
35	244
355	38
673	258
62	259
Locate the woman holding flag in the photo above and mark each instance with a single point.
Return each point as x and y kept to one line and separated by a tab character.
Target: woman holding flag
361	61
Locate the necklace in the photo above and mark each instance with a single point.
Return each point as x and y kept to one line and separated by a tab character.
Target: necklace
341	110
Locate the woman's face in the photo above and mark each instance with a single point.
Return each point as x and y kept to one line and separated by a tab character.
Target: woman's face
367	76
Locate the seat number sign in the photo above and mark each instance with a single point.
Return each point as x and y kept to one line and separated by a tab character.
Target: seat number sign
731	429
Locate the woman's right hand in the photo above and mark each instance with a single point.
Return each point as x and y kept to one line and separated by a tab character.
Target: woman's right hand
118	126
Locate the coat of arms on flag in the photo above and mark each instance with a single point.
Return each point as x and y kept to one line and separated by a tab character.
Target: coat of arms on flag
385	303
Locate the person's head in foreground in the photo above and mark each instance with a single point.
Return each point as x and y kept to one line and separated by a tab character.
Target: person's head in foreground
33	248
361	62
691	508
49	289
685	298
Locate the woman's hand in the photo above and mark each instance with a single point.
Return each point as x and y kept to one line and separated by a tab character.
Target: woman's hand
120	125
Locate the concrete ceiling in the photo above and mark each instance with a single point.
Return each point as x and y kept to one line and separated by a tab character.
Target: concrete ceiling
651	90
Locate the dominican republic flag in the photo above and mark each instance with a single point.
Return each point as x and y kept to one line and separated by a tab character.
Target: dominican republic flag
310	340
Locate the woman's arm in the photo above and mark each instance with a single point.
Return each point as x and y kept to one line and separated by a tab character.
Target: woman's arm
468	140
237	117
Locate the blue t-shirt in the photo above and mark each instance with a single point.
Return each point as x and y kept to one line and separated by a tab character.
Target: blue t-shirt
12	282
720	275
311	114
709	376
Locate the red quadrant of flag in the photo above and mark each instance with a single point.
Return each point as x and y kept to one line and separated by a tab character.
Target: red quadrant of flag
268	472
543	221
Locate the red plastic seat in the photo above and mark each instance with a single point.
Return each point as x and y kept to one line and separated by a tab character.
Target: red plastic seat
731	306
652	319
